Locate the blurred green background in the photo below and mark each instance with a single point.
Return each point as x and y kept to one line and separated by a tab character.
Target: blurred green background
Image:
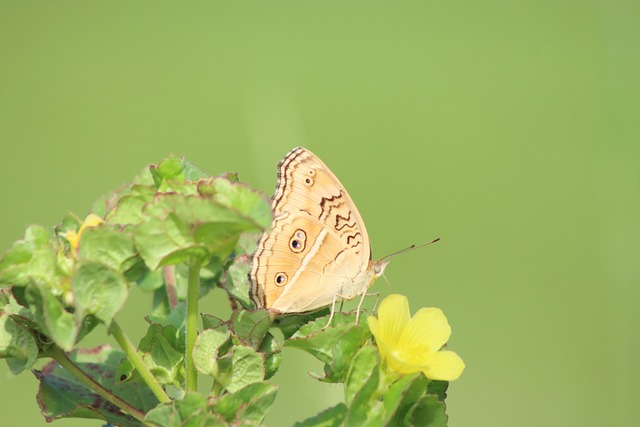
509	129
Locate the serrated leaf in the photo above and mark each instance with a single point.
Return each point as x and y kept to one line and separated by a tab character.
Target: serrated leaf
151	280
191	411
438	388
125	371
176	169
177	317
289	324
162	350
343	352
240	197
98	290
211	322
335	345
242	367
205	351
270	348
362	367
331	417
61	395
17	344
403	392
365	410
428	411
236	281
70	222
250	403
177	228
164	361
108	245
247	244
250	326
210	275
61	325
128	209
10	306
32	259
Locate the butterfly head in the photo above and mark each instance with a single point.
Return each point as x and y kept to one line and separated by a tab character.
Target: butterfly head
378	267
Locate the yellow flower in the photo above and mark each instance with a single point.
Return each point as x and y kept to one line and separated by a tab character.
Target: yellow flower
411	345
73	237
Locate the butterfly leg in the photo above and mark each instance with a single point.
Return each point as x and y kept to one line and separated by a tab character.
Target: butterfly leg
375	305
365	294
333	311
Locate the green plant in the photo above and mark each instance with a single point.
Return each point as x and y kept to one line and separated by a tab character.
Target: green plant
177	233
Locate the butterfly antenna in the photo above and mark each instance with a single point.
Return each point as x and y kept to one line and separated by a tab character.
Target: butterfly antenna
386	280
410	248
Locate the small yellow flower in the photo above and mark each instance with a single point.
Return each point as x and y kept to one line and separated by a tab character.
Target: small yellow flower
411	345
73	237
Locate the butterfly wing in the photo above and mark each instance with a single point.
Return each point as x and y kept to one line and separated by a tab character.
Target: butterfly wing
317	247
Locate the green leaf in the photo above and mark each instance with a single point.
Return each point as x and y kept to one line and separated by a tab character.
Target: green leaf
61	395
247	244
205	351
177	228
107	203
335	345
126	371
61	325
438	388
177	169
271	350
289	324
17	344
33	259
162	350
250	403
70	222
403	392
191	411
242	367
210	275
211	322
366	409
331	417
427	412
363	364
151	280
98	290
129	208
236	281
250	326
177	317
108	245
343	352
240	197
9	306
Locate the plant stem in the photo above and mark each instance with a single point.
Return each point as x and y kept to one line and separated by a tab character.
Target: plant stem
57	354
192	325
170	285
134	357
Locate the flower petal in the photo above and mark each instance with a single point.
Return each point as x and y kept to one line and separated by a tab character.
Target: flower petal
428	328
407	360
393	316
397	363
92	220
374	327
444	365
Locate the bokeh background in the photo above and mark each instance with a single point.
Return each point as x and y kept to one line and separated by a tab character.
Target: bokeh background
509	129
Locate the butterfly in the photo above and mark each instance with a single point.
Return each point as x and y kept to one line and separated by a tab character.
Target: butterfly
317	250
